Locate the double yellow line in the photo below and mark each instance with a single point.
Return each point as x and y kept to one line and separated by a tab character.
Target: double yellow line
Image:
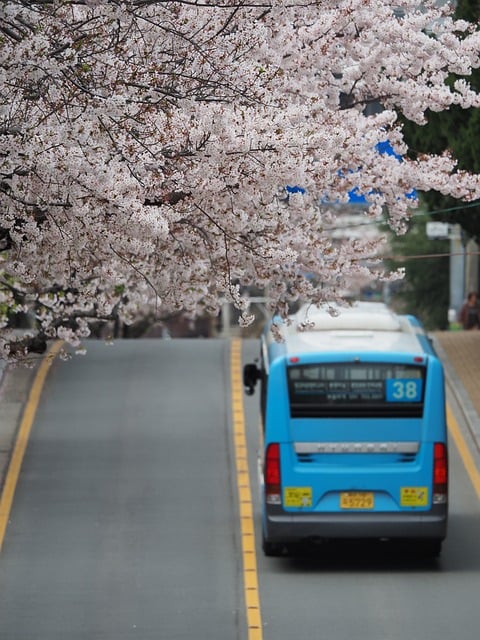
247	531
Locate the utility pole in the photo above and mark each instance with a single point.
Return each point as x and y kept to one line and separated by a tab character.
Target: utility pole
442	231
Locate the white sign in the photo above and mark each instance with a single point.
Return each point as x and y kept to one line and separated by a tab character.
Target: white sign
438	230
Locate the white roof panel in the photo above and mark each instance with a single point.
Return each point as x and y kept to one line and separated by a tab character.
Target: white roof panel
363	327
353	341
374	316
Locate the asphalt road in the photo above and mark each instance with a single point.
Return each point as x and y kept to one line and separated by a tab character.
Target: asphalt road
125	521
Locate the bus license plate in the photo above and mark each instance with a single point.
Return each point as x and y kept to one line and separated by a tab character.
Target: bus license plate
357	500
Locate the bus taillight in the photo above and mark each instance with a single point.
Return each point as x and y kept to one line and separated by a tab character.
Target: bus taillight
272	474
440	473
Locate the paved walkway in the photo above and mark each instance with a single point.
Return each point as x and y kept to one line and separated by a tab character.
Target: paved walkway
15	383
460	353
462	349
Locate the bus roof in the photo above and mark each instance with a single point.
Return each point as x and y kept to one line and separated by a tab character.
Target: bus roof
359	328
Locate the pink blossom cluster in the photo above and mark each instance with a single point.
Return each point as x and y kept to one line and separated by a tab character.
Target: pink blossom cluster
146	147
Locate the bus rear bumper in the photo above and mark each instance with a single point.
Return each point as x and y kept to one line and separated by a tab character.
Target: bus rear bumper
291	528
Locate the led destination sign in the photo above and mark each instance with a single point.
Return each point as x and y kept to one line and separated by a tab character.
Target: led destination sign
355	384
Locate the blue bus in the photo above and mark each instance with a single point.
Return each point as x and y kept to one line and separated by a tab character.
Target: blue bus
354	430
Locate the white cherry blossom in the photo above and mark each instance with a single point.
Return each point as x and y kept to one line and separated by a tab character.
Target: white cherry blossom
146	147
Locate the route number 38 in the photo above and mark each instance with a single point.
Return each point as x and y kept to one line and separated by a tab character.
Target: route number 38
404	390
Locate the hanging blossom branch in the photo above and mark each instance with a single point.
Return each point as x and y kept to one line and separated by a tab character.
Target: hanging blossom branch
146	148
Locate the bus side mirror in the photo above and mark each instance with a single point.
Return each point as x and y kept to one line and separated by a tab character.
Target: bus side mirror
251	373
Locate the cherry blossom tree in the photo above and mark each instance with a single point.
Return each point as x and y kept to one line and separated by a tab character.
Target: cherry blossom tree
146	147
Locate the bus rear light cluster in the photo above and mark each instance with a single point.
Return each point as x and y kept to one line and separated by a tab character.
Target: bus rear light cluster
440	473
272	475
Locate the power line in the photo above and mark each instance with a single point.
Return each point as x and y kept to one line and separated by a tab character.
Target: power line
471	205
430	255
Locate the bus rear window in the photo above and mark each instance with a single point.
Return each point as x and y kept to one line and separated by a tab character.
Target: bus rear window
350	389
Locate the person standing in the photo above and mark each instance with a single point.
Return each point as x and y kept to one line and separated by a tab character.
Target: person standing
469	315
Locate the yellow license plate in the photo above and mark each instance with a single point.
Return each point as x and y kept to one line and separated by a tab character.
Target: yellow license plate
297	497
414	496
357	500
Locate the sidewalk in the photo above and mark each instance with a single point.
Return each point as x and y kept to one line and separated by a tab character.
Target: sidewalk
15	383
460	354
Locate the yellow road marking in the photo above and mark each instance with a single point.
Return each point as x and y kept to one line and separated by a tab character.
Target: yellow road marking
247	532
463	450
21	441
